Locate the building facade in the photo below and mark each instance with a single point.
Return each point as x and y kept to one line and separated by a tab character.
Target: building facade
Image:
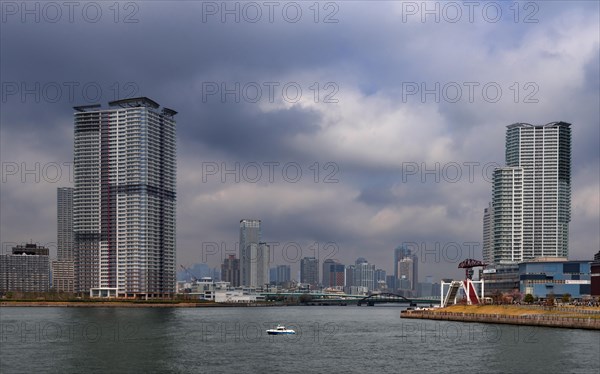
500	278
27	269
63	276
531	198
546	277
124	199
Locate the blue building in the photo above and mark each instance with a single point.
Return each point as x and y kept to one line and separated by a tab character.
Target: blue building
555	277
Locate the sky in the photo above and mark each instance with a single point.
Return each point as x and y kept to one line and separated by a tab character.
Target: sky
347	127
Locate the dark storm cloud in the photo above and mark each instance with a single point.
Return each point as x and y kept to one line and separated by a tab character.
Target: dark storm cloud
245	132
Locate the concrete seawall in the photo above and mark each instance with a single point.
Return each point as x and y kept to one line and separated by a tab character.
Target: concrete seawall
526	320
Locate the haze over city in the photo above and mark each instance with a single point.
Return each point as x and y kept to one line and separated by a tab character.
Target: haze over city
363	124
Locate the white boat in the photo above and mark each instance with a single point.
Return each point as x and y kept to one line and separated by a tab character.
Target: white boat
280	330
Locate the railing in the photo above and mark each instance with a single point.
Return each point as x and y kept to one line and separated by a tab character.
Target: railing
565	309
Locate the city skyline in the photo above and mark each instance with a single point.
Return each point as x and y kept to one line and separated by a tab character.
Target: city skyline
390	153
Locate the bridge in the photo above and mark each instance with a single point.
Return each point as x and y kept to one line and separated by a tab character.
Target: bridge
386	297
319	298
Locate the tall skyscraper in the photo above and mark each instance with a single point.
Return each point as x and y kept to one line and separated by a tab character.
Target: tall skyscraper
309	271
531	199
63	268
124	199
254	254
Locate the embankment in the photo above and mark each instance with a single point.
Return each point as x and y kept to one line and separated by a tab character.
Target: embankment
513	315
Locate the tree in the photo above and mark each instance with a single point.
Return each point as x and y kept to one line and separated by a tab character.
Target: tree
566	298
550	299
528	298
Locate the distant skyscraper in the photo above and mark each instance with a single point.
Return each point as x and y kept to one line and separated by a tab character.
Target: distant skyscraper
406	267
325	272
254	254
309	271
230	271
283	274
27	269
406	275
399	253
63	269
531	199
333	273
364	274
124	199
349	276
391	281
380	279
380	275
65	235
488	237
262	264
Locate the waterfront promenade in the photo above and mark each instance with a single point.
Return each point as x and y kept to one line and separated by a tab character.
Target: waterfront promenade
580	318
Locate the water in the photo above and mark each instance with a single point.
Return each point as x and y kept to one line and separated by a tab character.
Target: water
233	340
